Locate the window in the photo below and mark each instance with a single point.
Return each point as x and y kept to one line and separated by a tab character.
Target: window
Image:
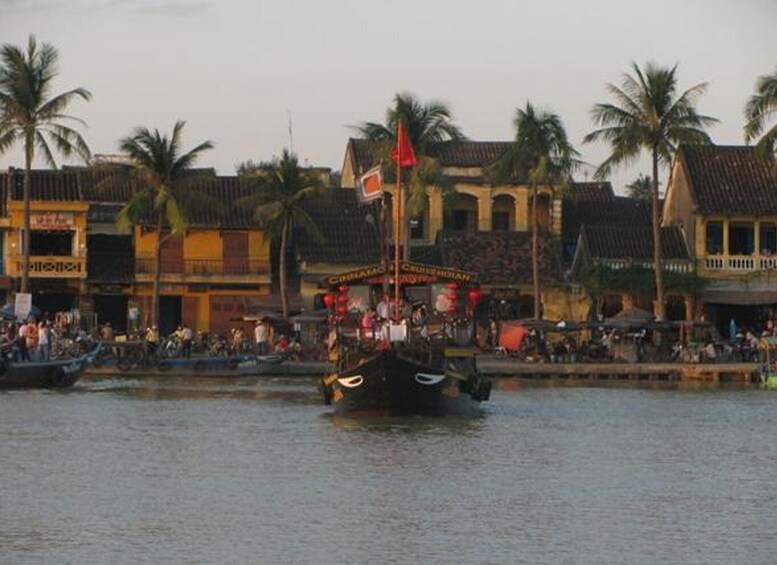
714	238
461	220
417	227
741	238
767	238
500	221
56	243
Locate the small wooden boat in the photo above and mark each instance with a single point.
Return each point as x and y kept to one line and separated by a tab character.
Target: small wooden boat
60	373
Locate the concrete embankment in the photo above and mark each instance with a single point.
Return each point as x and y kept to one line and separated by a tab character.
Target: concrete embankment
491	366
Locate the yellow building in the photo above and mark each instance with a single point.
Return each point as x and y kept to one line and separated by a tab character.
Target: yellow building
724	199
490	223
58	231
211	276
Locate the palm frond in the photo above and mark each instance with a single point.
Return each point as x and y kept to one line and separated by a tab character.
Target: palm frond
760	107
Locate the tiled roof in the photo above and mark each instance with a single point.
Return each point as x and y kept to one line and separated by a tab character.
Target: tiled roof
44	185
591	191
228	213
621	211
501	257
350	231
107	192
102	184
367	154
730	180
619	242
467	153
463	153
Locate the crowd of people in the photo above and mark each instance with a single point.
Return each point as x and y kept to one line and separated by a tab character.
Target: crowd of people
28	341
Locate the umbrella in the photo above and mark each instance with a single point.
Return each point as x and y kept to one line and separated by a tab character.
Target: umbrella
631	318
9	311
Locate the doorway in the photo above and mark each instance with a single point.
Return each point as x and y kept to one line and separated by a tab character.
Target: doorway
112	308
170	314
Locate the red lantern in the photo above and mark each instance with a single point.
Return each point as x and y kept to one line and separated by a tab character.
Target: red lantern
342	309
474	295
329	300
342	299
452	285
343	288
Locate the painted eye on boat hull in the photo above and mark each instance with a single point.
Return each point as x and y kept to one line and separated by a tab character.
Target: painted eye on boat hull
351	382
428	379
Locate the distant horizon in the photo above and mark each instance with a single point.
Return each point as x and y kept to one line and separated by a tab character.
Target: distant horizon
253	75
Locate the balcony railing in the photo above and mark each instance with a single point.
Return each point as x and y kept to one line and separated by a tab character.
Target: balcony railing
740	263
49	266
204	267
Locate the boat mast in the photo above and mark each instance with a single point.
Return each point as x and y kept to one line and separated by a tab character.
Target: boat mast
397	233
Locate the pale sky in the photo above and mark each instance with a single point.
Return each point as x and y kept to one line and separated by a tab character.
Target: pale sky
236	70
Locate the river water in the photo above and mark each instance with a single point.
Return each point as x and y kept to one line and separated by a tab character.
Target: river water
258	471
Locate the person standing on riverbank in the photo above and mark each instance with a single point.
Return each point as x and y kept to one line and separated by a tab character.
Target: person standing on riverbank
260	338
30	333
44	341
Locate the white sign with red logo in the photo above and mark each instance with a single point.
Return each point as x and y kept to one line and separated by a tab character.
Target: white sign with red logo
52	220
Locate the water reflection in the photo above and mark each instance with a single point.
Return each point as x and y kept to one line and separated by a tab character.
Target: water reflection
203	388
246	470
446	425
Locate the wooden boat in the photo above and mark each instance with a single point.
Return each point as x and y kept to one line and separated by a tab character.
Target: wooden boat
60	373
403	369
390	382
388	368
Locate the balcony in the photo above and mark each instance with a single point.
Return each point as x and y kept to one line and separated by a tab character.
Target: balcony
733	264
205	270
49	267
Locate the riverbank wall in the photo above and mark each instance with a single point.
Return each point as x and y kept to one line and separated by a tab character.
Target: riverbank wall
494	367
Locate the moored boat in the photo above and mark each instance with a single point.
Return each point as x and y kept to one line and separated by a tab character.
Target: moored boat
423	364
391	356
60	373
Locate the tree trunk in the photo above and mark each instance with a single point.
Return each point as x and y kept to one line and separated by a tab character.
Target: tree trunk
157	272
282	268
657	264
535	264
26	218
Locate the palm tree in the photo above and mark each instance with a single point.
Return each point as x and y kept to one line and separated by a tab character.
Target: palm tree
760	107
164	176
641	188
542	155
648	115
282	187
31	115
425	124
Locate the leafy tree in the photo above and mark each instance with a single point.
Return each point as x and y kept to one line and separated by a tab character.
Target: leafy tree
30	114
641	188
760	107
541	155
166	189
425	124
648	115
281	189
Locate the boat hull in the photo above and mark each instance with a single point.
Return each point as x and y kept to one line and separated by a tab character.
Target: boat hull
388	384
43	374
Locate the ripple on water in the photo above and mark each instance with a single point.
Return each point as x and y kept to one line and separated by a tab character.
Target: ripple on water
145	470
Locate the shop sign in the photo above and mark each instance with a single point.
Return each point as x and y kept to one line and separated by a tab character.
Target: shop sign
52	220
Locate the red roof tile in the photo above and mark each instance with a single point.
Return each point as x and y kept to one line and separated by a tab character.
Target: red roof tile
730	180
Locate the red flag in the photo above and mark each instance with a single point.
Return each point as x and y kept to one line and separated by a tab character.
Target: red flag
403	155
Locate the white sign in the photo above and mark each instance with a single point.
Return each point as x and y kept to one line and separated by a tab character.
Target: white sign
22	305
